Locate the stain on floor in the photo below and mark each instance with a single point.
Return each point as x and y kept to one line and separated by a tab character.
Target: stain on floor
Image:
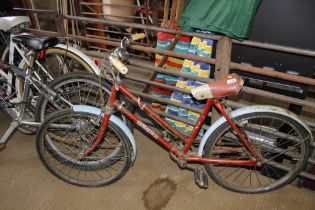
158	194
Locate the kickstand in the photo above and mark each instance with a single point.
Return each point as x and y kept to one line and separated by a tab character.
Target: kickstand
7	135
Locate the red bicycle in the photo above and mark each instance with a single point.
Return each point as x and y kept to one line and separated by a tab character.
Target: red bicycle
249	150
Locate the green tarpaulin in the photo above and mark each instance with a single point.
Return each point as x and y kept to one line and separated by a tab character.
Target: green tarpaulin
233	18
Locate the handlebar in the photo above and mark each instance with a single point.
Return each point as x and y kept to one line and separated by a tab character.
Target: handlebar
118	65
136	37
120	54
126	40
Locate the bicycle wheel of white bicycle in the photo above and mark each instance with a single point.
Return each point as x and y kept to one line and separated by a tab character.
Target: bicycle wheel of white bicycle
282	143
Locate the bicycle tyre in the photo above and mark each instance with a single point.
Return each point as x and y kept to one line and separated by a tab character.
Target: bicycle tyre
83	173
272	144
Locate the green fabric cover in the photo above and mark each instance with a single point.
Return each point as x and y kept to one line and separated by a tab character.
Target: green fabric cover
233	18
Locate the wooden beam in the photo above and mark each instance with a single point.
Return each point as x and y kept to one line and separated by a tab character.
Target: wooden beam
222	65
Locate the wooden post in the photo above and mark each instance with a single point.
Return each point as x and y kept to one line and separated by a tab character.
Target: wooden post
173	12
179	9
165	22
222	64
33	16
59	25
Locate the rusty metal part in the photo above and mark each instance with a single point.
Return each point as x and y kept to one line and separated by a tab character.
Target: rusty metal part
118	5
167	101
268	46
274	74
136	65
140	26
242	67
275	47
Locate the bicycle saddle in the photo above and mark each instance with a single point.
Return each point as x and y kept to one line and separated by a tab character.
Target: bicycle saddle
227	86
7	23
36	42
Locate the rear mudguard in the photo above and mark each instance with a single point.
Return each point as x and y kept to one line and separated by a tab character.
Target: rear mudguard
247	110
80	54
76	52
113	119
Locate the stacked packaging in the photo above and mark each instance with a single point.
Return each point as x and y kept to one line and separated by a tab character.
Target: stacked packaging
201	47
197	46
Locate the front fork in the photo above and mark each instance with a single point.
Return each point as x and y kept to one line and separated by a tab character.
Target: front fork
109	108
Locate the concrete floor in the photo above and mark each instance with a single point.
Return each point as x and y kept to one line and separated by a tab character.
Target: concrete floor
154	184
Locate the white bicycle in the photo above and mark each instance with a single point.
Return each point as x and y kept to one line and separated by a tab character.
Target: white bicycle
18	49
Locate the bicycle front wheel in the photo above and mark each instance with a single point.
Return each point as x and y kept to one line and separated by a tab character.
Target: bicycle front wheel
280	141
66	135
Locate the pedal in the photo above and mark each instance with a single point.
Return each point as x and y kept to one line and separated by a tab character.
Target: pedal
2	147
201	178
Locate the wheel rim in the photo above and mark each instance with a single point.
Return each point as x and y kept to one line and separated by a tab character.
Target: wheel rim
279	143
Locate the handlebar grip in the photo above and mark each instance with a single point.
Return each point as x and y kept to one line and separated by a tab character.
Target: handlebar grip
118	65
136	37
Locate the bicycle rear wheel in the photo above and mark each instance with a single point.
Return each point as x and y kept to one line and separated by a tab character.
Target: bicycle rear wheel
63	138
280	141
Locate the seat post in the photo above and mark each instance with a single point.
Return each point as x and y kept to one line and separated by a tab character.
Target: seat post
32	59
222	65
27	83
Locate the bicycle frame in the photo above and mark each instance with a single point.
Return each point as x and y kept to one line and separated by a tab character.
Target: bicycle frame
29	80
183	154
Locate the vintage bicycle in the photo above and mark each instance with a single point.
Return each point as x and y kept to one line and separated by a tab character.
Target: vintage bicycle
249	150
